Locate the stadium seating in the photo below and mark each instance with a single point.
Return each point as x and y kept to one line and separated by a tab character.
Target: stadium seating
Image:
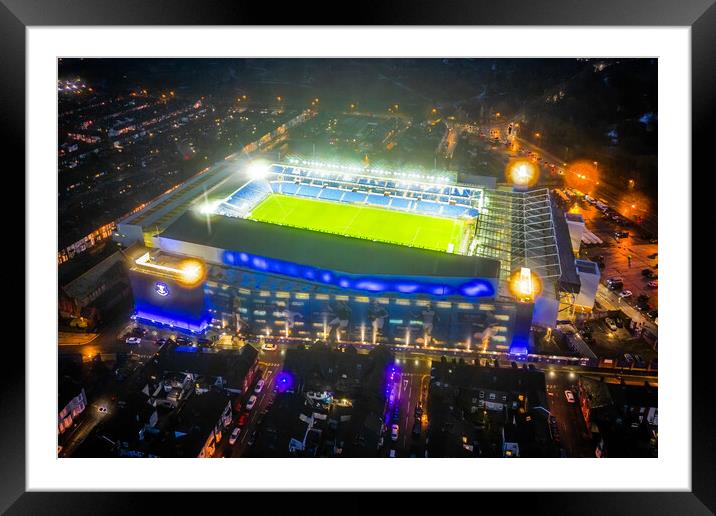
400	203
354	197
308	191
378	200
331	194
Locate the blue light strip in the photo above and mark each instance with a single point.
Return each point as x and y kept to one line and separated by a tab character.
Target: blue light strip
476	287
174	322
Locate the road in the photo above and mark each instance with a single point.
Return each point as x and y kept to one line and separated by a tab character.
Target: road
574	438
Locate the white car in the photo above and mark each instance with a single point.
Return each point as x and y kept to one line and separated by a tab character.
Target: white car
625	293
268	346
394	432
569	396
259	386
234	435
610	324
252	401
133	340
318	396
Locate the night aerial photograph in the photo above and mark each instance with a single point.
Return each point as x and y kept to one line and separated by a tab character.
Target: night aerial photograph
361	258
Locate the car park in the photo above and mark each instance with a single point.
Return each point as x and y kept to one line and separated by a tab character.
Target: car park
259	386
570	397
252	401
234	435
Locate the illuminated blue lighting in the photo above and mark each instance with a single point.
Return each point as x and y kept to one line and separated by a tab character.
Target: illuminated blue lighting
475	287
196	326
372	286
407	288
284	382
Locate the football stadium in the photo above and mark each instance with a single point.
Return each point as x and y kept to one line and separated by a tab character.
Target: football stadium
310	250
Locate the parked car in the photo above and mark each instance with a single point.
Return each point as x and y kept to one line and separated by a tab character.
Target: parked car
619	322
610	324
234	435
647	273
259	386
570	397
394	430
652	314
243	418
318	396
653	284
269	346
133	340
252	401
252	438
625	294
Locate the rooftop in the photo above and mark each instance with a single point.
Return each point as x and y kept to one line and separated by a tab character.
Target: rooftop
351	255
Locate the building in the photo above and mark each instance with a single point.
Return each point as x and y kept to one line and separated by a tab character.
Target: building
589	276
487	411
72	401
622	419
213	265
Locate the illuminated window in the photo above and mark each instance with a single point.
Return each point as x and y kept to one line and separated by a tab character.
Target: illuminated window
322	297
443	304
421	302
282	295
244	291
465	306
259	312
396	321
342	298
488	308
383	300
362	299
264	293
403	302
502	317
302	295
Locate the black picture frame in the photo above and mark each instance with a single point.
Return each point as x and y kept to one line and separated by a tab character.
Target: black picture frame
700	15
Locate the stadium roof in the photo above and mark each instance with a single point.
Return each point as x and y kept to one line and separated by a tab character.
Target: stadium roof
334	252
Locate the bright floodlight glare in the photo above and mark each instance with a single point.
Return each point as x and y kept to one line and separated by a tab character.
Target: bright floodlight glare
522	172
258	170
525	283
192	272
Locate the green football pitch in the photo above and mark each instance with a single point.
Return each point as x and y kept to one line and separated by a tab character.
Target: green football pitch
361	222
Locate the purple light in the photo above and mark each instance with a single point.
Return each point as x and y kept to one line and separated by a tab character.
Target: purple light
284	382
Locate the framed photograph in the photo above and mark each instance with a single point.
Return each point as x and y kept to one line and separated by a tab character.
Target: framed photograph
433	236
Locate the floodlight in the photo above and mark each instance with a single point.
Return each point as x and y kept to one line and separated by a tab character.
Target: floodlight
258	169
